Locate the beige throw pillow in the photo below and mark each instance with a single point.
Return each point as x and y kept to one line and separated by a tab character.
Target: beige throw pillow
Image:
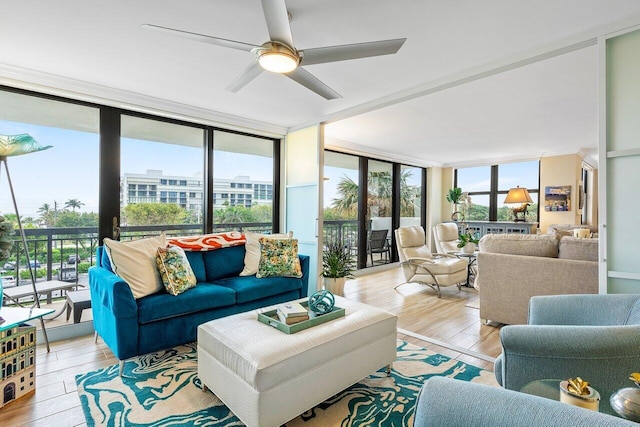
135	262
252	250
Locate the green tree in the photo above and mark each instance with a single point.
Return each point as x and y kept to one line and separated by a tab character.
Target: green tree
73	204
346	205
154	214
380	189
47	215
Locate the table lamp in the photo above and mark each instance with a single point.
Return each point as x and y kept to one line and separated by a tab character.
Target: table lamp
519	195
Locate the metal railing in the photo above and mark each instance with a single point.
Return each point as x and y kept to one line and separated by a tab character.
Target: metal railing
56	252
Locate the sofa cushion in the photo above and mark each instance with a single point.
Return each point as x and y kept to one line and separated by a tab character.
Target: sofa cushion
578	248
251	288
279	258
520	244
252	250
196	261
205	296
135	262
175	271
223	262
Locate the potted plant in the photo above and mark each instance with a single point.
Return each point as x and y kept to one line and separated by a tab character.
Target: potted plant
337	265
453	196
467	242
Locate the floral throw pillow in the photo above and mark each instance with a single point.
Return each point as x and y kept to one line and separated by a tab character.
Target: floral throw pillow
175	270
279	257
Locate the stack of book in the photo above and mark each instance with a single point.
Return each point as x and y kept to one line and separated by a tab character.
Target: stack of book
292	312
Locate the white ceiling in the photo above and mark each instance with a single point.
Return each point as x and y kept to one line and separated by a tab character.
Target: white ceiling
476	81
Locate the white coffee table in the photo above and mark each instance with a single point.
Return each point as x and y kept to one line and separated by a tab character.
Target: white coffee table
267	377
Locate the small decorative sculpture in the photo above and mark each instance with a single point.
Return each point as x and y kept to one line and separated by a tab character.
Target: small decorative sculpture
322	302
626	401
578	392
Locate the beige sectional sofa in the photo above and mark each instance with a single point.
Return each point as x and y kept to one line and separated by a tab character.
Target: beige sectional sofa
513	267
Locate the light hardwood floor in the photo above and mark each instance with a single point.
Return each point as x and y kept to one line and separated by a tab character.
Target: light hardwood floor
449	319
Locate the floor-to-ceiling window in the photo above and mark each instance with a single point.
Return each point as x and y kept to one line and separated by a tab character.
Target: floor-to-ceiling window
410	195
162	176
379	212
364	221
243	182
56	190
341	200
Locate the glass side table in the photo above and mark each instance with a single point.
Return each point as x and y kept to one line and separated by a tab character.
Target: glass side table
471	260
550	389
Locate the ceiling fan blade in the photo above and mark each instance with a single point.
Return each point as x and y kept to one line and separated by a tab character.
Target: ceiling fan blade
200	37
321	55
312	83
277	17
251	72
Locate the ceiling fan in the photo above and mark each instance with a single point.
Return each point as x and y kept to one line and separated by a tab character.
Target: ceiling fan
279	54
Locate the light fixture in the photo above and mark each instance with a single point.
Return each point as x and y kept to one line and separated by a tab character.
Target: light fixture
519	195
277	57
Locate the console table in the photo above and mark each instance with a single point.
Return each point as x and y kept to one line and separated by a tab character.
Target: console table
481	228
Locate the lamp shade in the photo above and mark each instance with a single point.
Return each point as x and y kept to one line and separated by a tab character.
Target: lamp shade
518	195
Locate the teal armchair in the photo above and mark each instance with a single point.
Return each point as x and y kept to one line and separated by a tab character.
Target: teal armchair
595	337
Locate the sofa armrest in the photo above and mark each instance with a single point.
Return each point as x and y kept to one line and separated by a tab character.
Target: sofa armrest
304	264
454	403
507	282
602	355
595	310
115	312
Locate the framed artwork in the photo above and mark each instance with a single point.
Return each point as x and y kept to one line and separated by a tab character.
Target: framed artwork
557	198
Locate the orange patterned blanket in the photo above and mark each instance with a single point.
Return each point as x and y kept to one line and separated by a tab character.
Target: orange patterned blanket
209	242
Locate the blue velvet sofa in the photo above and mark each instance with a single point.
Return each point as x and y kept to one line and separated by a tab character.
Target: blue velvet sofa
133	327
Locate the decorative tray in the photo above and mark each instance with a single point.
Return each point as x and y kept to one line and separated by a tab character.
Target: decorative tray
270	317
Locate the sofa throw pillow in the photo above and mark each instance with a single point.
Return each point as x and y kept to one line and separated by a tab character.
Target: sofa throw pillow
252	250
279	257
175	270
135	262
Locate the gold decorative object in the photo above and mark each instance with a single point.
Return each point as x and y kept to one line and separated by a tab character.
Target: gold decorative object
635	377
577	392
578	386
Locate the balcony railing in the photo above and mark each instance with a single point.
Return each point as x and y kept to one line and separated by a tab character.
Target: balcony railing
62	252
51	249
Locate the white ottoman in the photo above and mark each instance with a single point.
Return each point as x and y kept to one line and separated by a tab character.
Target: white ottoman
267	377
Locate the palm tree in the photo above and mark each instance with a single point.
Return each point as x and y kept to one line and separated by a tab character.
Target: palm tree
46	214
73	204
380	189
347	203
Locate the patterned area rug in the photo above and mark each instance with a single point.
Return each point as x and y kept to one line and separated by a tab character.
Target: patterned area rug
162	389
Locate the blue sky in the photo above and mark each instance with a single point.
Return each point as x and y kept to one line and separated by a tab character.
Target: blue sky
69	170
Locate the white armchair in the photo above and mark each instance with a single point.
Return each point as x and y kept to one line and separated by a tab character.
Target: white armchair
419	265
445	236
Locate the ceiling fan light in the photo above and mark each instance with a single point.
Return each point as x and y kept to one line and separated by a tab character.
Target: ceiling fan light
278	59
